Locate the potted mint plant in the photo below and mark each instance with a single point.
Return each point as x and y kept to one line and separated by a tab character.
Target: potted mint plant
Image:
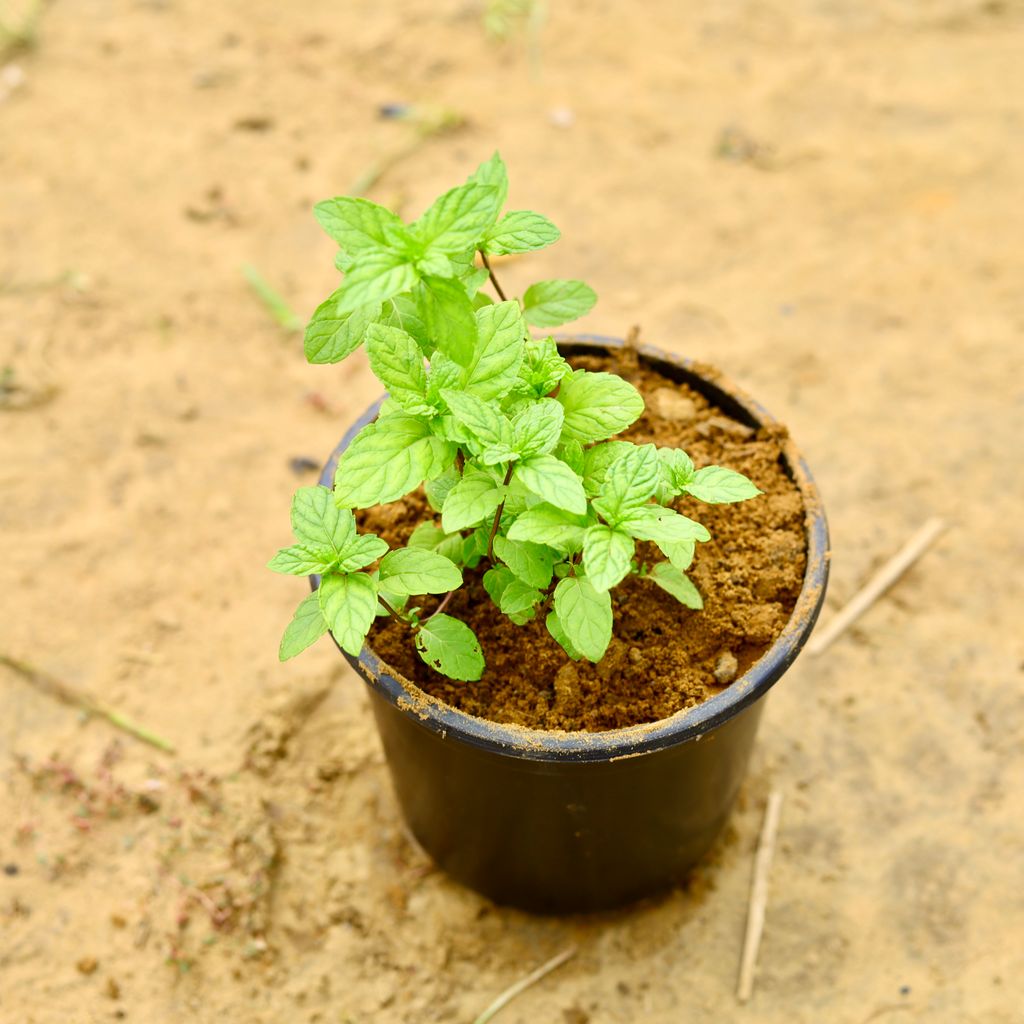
535	512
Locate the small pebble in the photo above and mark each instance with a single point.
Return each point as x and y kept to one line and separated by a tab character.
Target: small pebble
726	668
11	870
562	117
635	655
87	965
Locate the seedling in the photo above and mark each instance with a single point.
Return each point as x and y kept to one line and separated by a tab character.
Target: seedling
515	449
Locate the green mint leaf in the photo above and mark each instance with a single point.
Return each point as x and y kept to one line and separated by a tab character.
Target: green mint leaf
377	276
318	523
299	560
404	311
438	487
471	500
676	471
679	552
496	580
444	373
450	647
558	633
418	571
535	430
436	264
331	336
717	485
670	579
542	370
607	555
532	563
552	481
493	172
474	547
629	482
661	525
521	231
545	524
448	316
349	604
571	453
360	226
494	364
361	552
597	460
585	615
519	601
425	535
387	459
397	362
307	626
551	303
483	420
458	219
597	405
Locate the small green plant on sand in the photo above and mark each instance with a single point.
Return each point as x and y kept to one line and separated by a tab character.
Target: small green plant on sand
514	448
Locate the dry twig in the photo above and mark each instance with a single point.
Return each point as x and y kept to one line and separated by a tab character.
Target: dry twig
63	692
759	895
878	584
512	991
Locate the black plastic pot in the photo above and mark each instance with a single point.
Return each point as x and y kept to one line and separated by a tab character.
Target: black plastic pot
558	822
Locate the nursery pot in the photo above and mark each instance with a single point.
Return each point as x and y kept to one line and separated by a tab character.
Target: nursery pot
559	821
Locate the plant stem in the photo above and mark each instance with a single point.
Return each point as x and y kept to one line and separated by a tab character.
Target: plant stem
497	514
444	604
394	614
494	280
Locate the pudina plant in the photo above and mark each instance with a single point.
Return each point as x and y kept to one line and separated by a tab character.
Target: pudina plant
514	448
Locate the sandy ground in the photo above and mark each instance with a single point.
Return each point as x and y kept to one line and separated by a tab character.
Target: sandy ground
822	198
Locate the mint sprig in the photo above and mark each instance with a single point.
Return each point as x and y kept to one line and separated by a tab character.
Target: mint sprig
516	450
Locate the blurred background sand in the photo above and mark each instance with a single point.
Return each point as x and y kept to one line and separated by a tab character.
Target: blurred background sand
822	198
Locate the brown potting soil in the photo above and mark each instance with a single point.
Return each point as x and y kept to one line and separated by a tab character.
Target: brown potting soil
663	657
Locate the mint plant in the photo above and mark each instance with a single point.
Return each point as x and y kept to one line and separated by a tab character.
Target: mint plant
515	449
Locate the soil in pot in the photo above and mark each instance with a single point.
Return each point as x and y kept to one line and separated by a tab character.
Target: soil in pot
663	657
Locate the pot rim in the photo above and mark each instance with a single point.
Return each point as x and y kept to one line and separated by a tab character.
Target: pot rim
687	724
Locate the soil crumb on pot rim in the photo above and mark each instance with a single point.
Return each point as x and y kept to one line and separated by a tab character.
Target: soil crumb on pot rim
663	657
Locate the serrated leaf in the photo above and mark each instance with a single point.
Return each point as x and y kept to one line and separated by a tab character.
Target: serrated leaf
299	560
496	580
532	563
397	362
438	487
545	524
307	626
717	485
443	373
317	522
571	453
349	604
450	647
459	219
521	231
597	460
542	369
551	303
404	311
332	336
661	525
361	552
585	615
670	579
425	535
448	317
536	429
387	459
630	481
519	601
360	226
377	276
494	364
676	470
554	627
470	501
418	571
493	172
607	555
597	405
552	481
485	423
679	553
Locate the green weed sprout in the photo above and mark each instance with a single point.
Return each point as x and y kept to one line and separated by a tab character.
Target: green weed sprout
515	449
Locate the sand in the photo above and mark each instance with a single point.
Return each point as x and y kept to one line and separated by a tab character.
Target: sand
822	199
